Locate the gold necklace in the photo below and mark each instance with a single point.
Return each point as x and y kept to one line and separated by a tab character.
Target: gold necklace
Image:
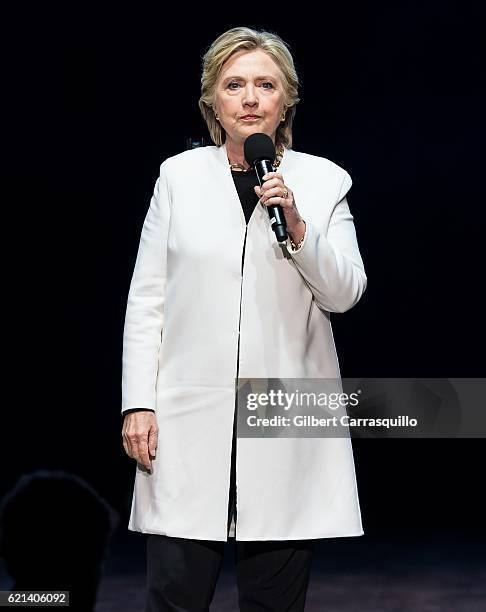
276	163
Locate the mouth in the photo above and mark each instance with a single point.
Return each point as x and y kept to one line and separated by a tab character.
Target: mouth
250	117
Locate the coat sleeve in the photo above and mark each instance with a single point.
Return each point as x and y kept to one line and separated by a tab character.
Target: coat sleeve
130	410
331	264
144	317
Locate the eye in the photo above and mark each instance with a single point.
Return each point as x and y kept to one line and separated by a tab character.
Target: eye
236	83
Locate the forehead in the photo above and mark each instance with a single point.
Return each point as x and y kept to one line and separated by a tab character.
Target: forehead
250	63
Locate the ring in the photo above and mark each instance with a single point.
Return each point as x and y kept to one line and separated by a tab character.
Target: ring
286	193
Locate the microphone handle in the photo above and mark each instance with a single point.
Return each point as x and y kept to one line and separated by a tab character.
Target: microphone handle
275	212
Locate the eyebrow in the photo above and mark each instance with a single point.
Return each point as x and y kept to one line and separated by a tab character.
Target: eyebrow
240	78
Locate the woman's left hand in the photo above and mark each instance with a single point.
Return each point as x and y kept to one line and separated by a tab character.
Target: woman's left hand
274	191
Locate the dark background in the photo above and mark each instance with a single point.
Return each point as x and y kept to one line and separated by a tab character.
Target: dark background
394	93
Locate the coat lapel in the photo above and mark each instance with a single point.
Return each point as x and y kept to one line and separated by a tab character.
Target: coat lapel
230	187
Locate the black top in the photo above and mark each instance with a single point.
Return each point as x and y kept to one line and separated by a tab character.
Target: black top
244	183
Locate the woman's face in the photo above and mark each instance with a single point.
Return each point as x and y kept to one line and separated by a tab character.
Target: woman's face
250	83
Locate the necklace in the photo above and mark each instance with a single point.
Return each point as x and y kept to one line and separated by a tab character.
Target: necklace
276	163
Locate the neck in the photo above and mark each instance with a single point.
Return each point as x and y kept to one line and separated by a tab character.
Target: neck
235	152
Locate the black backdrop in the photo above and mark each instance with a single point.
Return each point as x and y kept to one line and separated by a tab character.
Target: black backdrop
392	92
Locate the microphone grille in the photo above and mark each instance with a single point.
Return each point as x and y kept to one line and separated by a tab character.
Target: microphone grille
258	146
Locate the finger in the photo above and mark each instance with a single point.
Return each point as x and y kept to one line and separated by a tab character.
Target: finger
135	440
286	203
153	437
133	445
267	187
272	175
259	191
127	445
145	459
143	452
274	191
273	182
277	200
126	440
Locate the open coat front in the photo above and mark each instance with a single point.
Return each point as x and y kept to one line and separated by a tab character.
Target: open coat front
189	303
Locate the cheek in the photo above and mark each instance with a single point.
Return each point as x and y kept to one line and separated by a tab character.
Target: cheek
273	109
229	108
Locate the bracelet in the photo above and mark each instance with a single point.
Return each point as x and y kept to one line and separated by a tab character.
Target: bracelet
297	246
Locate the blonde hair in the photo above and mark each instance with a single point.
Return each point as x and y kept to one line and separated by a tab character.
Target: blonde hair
221	49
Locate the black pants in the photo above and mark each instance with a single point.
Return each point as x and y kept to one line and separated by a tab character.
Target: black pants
182	573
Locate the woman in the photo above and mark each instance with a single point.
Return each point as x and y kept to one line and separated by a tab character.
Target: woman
215	298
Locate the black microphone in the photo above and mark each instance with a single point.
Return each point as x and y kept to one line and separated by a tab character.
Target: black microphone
259	152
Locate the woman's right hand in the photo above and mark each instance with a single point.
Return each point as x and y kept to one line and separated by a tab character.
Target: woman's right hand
139	435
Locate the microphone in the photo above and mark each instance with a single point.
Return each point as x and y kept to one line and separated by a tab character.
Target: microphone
259	152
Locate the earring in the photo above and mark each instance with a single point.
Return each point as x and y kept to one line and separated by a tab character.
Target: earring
283	118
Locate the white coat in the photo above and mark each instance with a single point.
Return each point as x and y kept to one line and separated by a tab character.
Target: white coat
189	301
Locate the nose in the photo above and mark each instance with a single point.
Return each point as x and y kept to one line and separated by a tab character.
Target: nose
249	95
